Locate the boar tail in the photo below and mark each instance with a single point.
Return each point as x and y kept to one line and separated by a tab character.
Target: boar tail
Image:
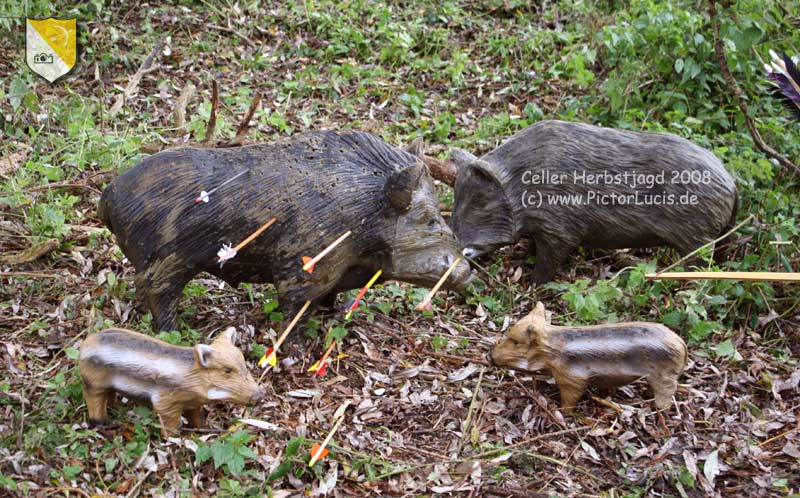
104	208
722	247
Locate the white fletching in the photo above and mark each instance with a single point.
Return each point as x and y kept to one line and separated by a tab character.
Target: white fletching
204	196
227	252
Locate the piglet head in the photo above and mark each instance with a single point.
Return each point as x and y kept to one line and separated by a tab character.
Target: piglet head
222	372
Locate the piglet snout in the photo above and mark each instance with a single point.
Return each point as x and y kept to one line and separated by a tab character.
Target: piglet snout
258	395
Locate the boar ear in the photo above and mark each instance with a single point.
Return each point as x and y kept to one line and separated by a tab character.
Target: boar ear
416	148
202	354
400	186
228	334
483	171
461	158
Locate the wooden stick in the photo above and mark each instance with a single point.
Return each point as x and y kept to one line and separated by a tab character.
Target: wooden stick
244	127
133	84
180	105
313	261
425	302
212	119
750	276
327	440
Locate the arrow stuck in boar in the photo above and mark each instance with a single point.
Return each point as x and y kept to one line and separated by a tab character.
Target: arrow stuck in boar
426	303
308	263
227	252
204	196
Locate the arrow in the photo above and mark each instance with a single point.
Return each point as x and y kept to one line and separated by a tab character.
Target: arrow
426	303
361	293
308	263
272	352
766	276
320	451
205	196
321	365
227	252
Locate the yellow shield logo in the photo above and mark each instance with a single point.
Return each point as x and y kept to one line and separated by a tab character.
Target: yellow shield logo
51	47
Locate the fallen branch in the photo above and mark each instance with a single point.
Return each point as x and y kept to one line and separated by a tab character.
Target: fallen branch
244	127
444	171
30	254
133	84
737	94
180	105
212	119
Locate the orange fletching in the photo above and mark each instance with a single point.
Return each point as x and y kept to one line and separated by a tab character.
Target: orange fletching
315	448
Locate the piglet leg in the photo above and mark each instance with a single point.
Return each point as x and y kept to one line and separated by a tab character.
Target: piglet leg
169	416
664	388
97	405
571	391
194	417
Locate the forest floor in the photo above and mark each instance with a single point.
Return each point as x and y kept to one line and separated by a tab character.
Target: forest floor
427	416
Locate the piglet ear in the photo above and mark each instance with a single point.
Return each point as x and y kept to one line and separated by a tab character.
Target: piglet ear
228	334
400	186
461	158
539	311
203	354
416	148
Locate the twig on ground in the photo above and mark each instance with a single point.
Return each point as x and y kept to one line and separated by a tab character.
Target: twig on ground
133	84
211	127
244	127
180	105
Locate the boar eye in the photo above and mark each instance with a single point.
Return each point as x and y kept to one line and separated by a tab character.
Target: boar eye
432	223
228	370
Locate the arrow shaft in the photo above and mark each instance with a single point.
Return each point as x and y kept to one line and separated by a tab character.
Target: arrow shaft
327	440
253	235
226	182
727	275
441	281
325	251
291	325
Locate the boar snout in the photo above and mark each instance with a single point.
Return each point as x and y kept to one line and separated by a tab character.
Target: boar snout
490	358
461	276
472	252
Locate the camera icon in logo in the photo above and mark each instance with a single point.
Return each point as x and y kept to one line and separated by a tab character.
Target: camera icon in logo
43	59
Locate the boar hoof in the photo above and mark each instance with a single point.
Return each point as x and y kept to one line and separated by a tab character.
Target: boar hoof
97	423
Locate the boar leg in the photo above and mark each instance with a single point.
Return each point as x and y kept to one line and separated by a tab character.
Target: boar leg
550	254
664	387
161	287
194	417
97	404
571	391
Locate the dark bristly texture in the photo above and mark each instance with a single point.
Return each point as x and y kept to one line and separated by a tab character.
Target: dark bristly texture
498	201
318	185
786	92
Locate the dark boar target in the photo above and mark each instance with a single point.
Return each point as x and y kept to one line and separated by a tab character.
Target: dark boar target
550	183
318	185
